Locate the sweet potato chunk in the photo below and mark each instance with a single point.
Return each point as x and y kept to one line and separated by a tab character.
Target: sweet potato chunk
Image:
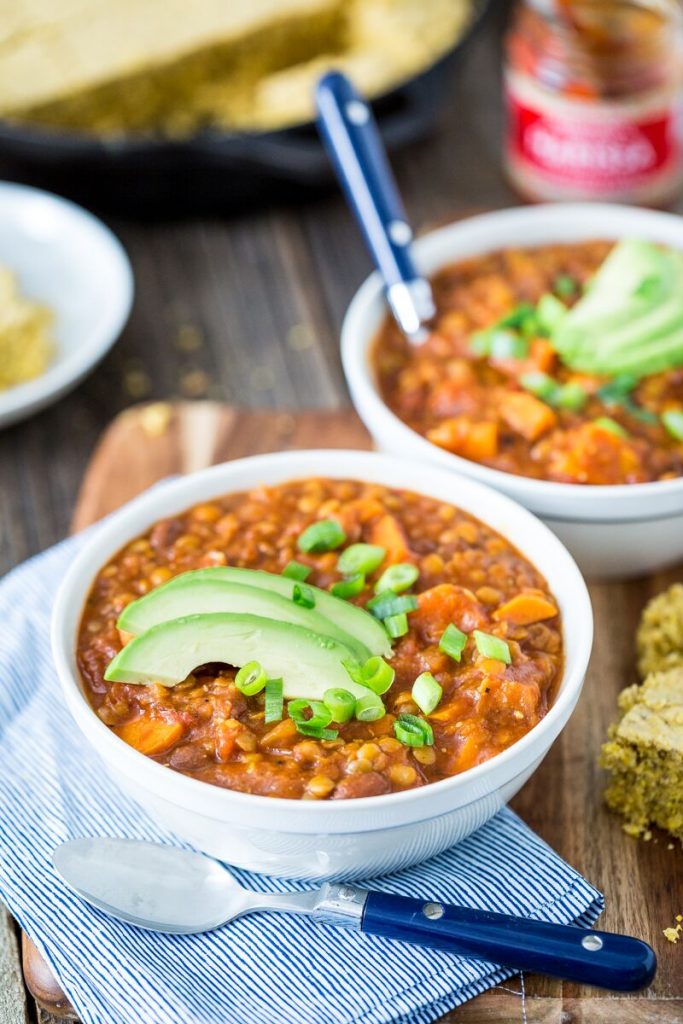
443	604
151	735
472	439
524	609
388	534
527	415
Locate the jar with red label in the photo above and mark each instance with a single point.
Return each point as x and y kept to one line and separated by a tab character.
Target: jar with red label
594	97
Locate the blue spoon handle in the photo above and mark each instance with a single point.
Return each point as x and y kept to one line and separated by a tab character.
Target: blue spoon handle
351	137
591	958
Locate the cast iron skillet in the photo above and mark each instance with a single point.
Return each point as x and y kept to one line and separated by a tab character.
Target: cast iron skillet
214	172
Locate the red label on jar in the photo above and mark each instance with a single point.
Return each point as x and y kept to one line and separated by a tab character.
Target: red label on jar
592	148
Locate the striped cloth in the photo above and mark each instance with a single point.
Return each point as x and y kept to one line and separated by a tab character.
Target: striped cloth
270	969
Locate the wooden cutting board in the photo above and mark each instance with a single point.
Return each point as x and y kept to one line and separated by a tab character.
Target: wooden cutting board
642	882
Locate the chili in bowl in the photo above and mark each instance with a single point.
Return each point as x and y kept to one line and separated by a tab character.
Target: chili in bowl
553	371
322	664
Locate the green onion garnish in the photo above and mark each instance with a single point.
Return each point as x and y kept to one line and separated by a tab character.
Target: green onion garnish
349	587
506	345
377	675
316	731
320	715
550	312
539	384
426	692
397	578
274	700
480	343
296	571
616	390
518	316
325	535
453	642
607	423
413	731
388	603
341	704
369	708
673	421
360	558
396	625
565	286
569	396
303	595
490	646
251	678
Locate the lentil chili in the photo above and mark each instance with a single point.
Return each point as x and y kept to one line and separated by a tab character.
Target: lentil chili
470	578
476	406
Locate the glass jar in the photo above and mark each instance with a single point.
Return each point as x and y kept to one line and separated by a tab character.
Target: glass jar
594	98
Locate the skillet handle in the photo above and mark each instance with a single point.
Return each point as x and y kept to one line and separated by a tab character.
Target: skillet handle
609	961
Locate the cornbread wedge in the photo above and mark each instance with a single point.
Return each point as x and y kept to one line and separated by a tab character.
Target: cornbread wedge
644	755
26	345
660	634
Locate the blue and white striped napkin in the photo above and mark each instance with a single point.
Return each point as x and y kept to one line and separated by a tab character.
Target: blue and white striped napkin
270	969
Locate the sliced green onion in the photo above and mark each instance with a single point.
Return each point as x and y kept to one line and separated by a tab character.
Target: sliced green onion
320	715
490	646
550	313
296	571
341	704
377	675
569	396
361	558
303	595
354	670
673	421
396	625
506	345
453	642
397	578
607	423
426	692
349	587
413	731
369	708
251	678
274	700
325	535
565	286
480	343
316	731
388	603
616	390
518	316
539	384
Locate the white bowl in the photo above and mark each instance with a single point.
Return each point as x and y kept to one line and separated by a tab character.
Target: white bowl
326	839
68	260
613	532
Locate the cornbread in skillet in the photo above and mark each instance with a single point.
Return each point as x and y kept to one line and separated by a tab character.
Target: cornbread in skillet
660	634
121	66
26	346
644	755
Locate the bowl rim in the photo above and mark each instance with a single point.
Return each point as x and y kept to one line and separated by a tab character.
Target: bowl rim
106	538
357	339
67	370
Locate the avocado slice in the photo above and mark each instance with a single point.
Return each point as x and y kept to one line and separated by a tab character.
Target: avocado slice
349	617
192	596
632	316
307	662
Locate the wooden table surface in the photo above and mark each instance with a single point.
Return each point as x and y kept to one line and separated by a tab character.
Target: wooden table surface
246	311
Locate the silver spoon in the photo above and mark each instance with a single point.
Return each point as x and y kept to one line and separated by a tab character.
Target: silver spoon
166	889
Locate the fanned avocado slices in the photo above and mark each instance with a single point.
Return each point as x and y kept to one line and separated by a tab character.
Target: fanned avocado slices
631	318
347	617
192	594
307	662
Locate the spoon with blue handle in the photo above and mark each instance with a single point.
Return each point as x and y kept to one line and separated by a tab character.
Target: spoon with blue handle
350	135
166	889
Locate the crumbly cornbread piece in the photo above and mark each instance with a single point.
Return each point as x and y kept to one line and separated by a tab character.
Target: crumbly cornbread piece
644	755
113	67
660	634
26	345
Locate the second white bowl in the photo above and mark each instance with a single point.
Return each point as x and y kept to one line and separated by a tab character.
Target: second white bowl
613	532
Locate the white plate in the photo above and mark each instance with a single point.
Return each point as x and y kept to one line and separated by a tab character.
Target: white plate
68	260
